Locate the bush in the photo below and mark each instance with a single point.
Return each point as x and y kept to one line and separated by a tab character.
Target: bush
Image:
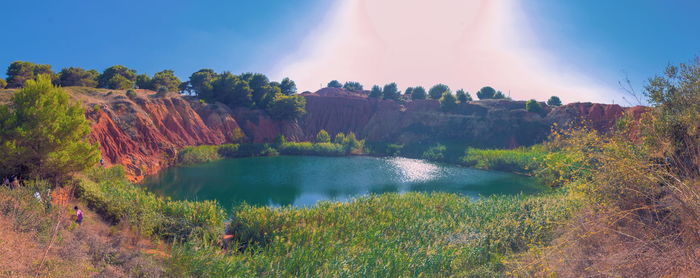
521	160
228	150
198	154
308	148
533	106
435	153
389	235
130	94
108	193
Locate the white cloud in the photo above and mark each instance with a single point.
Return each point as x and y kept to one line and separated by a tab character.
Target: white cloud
464	44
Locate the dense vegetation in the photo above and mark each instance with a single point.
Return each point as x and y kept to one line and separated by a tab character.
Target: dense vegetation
391	235
43	134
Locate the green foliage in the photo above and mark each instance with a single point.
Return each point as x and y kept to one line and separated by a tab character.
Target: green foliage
74	76
287	107
486	93
279	140
288	86
436	91
376	92
435	153
231	90
143	81
448	102
323	137
107	192
521	160
117	77
419	93
339	138
672	128
334	84
391	91
408	91
533	106
554	101
308	148
198	154
353	86
3	83
499	95
131	94
463	97
389	235
19	72
44	135
201	83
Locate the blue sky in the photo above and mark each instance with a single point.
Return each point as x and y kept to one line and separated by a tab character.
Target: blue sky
602	41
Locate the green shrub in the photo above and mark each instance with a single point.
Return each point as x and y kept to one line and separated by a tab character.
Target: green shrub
228	150
521	160
389	235
198	154
435	153
130	94
108	193
308	148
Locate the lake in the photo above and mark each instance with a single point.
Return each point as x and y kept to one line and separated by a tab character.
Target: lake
305	180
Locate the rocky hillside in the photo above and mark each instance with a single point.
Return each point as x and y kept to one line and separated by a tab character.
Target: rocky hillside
143	131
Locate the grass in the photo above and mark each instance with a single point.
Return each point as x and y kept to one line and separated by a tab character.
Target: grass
389	235
107	192
520	160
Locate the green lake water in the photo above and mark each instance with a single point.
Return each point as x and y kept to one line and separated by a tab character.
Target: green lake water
305	180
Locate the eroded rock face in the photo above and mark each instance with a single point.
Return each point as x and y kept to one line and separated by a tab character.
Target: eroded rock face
144	132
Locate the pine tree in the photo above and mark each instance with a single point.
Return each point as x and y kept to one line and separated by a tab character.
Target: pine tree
44	135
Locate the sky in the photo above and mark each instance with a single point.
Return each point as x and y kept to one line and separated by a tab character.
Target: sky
577	50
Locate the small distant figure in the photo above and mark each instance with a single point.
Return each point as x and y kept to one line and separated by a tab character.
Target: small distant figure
6	181
37	195
102	162
78	215
15	183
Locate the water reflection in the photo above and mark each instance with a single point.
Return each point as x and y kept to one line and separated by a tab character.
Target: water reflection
303	181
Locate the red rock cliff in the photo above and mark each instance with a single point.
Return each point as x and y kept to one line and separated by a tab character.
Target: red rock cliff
144	133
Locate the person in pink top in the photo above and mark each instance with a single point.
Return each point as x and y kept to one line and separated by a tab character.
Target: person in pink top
79	215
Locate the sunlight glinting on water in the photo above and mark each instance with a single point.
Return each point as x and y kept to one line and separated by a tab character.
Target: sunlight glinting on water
413	170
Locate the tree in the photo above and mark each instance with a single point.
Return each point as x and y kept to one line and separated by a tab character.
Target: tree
391	91
533	106
231	90
436	91
3	83
202	83
448	102
288	86
287	107
335	84
376	92
44	135
74	76
323	137
499	95
165	79
339	138
19	72
486	93
408	91
419	93
353	86
554	101
263	92
117	77
463	97
143	81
